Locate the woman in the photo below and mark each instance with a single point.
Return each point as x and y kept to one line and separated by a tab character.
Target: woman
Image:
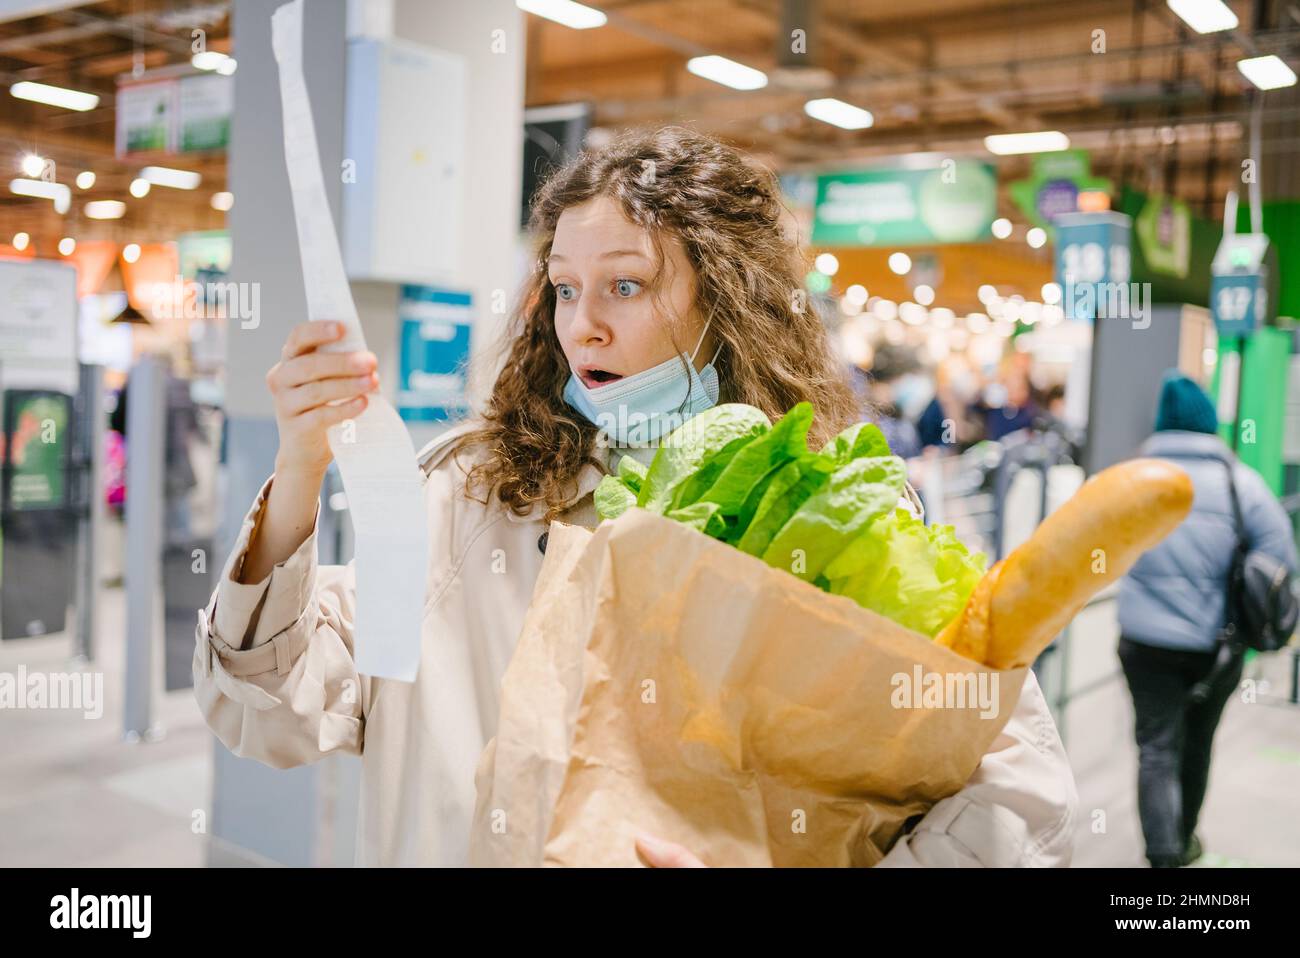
1171	608
658	244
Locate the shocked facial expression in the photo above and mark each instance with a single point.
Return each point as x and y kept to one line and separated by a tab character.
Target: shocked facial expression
615	303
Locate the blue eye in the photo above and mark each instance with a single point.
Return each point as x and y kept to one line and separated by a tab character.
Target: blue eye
627	287
561	289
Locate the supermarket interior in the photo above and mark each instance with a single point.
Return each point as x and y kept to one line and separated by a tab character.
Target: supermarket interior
1037	239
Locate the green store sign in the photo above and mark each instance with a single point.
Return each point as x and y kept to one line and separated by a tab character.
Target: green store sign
1055	181
955	202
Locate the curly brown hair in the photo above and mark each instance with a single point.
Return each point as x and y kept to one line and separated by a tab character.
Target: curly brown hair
726	211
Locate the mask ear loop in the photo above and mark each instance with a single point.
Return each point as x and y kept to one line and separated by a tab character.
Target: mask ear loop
704	332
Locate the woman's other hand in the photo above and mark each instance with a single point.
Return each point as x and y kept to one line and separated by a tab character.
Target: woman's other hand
658	853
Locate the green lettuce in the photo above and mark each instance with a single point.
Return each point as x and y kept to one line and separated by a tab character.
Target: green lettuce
706	442
841	507
860	441
613	497
756	460
920	576
830	517
793	483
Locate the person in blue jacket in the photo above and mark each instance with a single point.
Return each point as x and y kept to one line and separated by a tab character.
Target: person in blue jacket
1171	608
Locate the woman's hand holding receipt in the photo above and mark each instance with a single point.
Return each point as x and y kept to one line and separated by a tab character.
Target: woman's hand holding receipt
312	391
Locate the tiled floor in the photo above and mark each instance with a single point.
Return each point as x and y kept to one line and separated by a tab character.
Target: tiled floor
73	793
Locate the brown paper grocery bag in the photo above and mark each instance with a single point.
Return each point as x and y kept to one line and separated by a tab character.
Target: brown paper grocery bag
667	683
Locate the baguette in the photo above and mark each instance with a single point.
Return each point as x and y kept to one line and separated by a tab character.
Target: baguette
1025	600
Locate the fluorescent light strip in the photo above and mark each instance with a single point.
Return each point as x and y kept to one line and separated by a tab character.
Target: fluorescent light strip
166	176
58	192
1267	73
208	60
54	96
727	72
838	113
577	16
1044	141
1204	16
105	209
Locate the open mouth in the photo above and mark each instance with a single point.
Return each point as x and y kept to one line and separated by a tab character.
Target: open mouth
594	378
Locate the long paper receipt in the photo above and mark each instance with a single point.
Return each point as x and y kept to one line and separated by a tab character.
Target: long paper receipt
383	482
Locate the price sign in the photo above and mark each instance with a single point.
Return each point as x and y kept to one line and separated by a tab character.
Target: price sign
1092	251
1239	299
1239	303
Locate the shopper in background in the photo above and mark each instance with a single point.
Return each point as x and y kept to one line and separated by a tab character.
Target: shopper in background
1171	608
1006	404
948	421
895	384
181	427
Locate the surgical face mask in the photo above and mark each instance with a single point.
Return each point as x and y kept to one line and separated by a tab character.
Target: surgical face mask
641	409
995	395
964	388
912	393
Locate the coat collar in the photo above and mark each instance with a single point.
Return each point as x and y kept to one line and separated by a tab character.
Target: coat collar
1179	442
583	486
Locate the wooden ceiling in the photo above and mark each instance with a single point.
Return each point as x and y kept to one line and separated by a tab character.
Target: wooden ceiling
89	47
1158	105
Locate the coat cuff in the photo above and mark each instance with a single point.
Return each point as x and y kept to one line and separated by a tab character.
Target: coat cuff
246	615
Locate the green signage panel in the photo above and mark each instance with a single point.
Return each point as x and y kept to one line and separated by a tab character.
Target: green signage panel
39	449
954	202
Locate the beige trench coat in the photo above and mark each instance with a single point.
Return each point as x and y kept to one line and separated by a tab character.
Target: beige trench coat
275	679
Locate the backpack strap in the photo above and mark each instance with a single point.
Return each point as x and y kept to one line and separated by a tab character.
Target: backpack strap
1236	503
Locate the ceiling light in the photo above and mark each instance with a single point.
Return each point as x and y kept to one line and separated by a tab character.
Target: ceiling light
1009	144
227	66
131	252
208	60
223	201
1267	73
826	263
838	113
911	313
32	165
1204	16
1036	237
54	96
85	180
67	245
1001	227
727	72
166	176
58	192
577	16
20	241
924	294
885	309
857	293
105	209
1051	293
900	263
987	293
